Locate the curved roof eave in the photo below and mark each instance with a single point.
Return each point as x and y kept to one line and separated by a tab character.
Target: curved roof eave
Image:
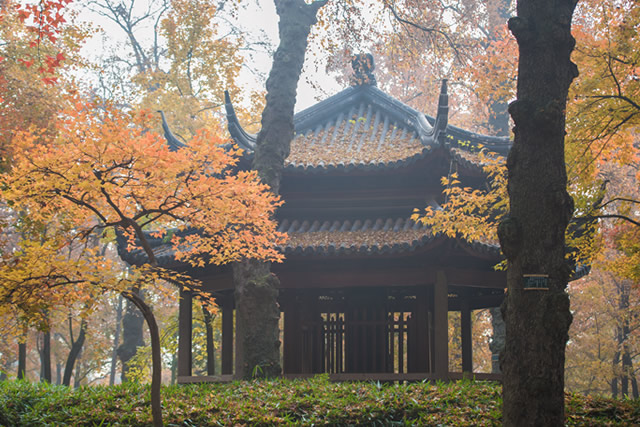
172	141
245	140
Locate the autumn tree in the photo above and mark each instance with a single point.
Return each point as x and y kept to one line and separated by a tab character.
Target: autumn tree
179	56
103	171
602	352
603	349
37	48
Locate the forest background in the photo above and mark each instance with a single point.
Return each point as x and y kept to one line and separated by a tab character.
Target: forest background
179	56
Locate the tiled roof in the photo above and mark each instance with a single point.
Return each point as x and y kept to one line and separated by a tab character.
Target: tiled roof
336	237
370	236
365	135
364	128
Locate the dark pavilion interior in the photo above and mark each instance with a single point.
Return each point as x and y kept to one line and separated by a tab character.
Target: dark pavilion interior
365	291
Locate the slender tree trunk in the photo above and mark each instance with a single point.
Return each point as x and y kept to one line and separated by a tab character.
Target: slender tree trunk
211	349
623	333
132	322
256	293
74	352
116	341
45	357
156	357
58	373
616	374
533	237
624	375
22	360
80	371
174	368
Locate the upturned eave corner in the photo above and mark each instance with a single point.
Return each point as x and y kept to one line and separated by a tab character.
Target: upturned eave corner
245	140
172	141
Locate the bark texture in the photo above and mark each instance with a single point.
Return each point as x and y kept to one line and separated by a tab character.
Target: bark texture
76	347
22	361
156	357
45	357
256	288
533	237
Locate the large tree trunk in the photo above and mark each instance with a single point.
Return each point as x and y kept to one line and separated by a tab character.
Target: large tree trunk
257	311
132	322
533	237
74	352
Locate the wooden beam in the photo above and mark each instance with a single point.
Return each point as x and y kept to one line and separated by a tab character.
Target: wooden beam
477	278
441	326
466	337
476	302
374	276
227	336
185	323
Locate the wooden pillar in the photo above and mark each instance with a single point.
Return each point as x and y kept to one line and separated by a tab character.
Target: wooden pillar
419	360
466	338
441	326
211	348
185	321
227	336
291	334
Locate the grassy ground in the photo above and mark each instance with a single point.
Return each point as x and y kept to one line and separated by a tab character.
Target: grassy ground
303	402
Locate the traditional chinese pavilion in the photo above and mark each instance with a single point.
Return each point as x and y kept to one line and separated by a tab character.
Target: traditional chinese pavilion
365	291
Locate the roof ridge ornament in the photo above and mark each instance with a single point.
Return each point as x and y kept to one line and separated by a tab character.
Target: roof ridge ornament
442	116
363	67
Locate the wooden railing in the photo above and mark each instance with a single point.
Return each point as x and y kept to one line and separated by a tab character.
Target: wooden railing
376	376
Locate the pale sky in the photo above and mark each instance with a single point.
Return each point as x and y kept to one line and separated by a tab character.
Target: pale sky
259	17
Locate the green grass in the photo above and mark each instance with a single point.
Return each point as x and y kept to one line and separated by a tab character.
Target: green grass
281	402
